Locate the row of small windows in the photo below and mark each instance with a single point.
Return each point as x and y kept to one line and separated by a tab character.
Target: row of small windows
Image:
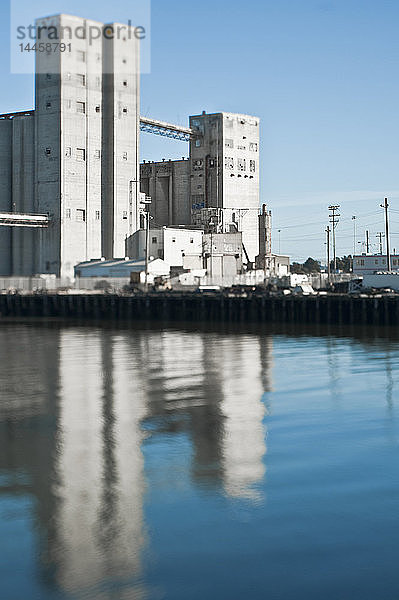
81	79
253	146
80	153
80	214
80	107
360	262
155	240
81	56
229	164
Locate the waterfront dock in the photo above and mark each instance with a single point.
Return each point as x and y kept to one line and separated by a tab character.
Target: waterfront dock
251	307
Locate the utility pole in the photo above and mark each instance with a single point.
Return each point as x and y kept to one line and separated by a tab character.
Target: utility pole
328	230
385	207
354	234
211	226
334	220
367	241
380	235
146	212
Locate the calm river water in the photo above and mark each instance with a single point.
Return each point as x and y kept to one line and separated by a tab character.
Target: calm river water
187	465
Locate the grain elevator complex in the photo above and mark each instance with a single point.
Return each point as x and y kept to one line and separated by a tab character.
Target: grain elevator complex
72	188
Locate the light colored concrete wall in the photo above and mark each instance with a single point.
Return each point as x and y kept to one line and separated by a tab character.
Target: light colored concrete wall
241	183
5	193
121	128
169	243
81	178
67	183
225	171
226	249
180	242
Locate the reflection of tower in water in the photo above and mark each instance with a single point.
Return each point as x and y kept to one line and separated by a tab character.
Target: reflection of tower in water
100	467
77	403
211	386
244	368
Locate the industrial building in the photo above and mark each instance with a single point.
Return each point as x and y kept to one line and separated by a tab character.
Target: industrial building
367	264
70	175
217	189
75	157
177	246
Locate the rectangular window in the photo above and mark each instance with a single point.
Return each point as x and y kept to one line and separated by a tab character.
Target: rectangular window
80	107
80	214
124	156
154	240
97	215
253	146
81	79
252	166
124	110
97	108
229	163
241	148
124	214
97	154
48	104
242	164
68	151
80	154
67	213
124	83
81	55
48	151
191	240
197	143
173	239
229	144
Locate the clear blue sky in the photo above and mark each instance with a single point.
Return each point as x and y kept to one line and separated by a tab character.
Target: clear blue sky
321	75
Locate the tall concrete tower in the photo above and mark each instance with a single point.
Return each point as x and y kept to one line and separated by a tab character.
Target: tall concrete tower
225	174
121	130
68	146
86	141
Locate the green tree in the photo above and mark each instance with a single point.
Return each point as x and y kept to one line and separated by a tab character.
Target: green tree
344	264
309	266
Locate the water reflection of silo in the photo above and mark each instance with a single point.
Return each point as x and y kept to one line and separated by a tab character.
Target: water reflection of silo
184	397
245	367
28	415
198	385
100	466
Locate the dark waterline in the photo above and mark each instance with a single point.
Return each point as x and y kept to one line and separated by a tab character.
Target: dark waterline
198	461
